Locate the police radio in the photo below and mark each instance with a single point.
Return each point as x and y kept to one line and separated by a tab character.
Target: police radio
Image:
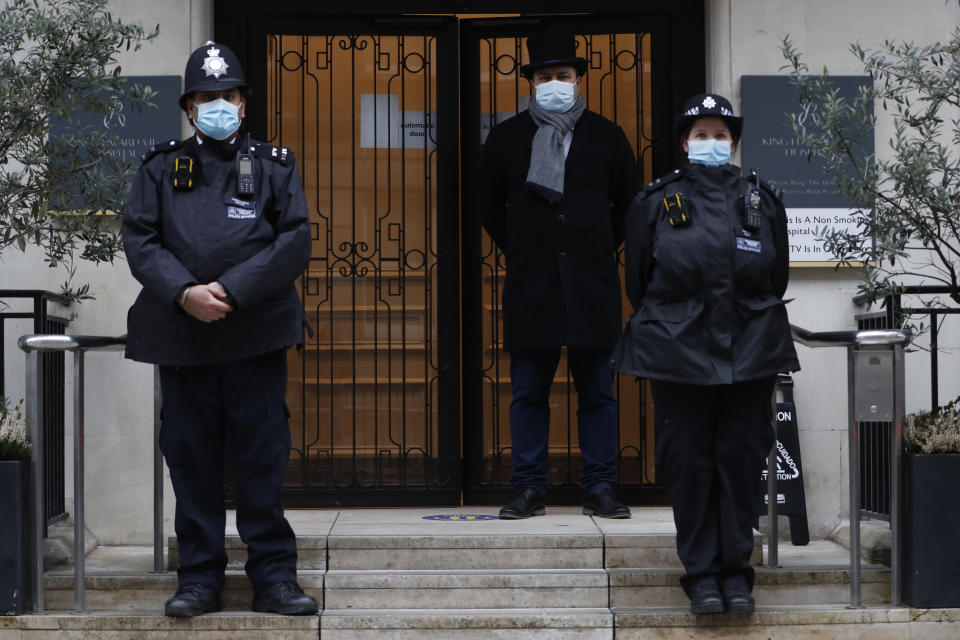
751	205
245	180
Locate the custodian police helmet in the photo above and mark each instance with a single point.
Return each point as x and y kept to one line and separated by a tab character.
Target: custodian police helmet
705	105
212	67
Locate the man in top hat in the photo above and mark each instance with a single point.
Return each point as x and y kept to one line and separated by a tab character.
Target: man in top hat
216	231
555	184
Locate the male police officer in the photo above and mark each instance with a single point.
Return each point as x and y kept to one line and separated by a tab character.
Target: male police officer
555	183
216	231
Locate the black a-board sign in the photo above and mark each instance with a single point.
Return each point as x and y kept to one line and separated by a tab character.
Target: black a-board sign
133	130
791	500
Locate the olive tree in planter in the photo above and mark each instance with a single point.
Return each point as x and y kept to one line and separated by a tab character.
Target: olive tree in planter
931	521
14	509
59	57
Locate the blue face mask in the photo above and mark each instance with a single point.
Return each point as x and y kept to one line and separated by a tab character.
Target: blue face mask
218	119
555	95
712	153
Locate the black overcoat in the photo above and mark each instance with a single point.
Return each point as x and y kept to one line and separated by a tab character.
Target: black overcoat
562	283
255	248
708	295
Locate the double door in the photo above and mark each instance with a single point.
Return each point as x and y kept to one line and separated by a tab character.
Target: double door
401	394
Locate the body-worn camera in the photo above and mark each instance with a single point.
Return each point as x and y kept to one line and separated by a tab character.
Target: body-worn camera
676	208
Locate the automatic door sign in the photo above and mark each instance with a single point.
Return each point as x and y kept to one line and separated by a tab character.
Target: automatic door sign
460	517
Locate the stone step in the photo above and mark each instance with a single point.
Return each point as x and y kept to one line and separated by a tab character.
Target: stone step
648	588
654	550
525	588
780	622
465	552
118	625
311	553
467	624
146	592
614	551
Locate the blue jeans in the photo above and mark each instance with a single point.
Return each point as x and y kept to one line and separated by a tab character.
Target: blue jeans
532	372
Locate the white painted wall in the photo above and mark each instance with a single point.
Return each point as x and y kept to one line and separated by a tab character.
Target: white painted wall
743	38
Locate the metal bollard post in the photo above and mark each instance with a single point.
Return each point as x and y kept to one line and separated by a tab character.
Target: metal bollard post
35	417
79	526
899	409
853	438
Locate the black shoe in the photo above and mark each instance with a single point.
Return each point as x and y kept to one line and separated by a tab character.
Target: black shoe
528	503
286	598
192	600
705	597
604	504
736	595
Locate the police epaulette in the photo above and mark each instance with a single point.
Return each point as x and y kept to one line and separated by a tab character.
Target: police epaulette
662	181
776	193
277	154
161	147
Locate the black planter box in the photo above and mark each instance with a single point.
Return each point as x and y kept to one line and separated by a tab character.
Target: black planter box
931	529
14	529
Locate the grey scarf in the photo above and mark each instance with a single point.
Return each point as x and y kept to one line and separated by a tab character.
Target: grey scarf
546	155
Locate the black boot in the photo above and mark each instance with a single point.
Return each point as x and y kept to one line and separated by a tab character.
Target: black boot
528	503
604	504
192	600
736	595
705	597
286	598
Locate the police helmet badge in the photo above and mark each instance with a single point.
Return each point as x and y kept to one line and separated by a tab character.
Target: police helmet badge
213	64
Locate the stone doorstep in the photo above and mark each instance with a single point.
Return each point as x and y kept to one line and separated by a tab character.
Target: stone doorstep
148	592
531	588
791	623
467	619
122	626
654	550
311	553
650	589
781	622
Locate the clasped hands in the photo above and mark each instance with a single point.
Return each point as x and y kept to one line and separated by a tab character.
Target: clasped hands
207	302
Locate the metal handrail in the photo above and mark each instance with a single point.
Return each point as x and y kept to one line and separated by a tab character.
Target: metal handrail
895	339
79	345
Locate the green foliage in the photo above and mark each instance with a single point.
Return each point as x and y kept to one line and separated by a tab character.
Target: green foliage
14	444
936	431
908	199
58	56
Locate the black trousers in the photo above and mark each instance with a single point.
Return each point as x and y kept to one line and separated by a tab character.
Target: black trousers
204	409
711	447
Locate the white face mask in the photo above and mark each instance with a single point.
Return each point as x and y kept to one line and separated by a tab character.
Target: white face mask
556	95
712	153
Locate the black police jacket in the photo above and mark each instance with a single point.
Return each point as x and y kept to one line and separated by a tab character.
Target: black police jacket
562	283
255	248
707	295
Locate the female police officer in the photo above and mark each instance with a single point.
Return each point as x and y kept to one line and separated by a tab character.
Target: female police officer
707	266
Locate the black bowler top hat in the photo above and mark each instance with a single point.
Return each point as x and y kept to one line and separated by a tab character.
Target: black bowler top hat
705	105
552	49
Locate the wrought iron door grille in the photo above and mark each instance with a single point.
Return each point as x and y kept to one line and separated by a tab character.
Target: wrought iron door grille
360	113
